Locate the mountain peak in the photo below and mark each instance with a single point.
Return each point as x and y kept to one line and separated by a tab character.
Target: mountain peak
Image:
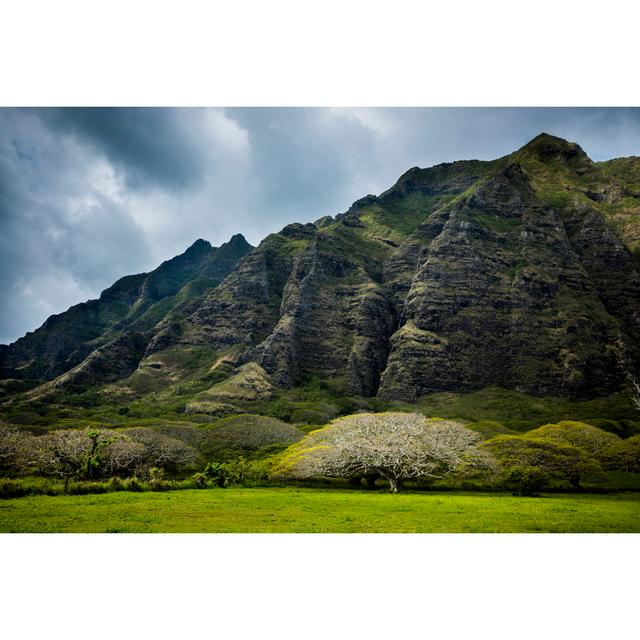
236	245
199	246
543	136
546	147
237	239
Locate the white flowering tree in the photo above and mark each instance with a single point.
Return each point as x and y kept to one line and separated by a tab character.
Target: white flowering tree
396	446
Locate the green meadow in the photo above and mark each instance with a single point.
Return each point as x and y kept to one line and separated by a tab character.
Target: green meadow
303	510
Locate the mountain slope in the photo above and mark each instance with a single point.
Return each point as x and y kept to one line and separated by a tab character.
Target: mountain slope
520	272
513	272
133	303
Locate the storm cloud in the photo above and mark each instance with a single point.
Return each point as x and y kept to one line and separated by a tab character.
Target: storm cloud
89	195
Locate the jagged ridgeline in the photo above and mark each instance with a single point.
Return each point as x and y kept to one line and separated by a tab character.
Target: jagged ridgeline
521	272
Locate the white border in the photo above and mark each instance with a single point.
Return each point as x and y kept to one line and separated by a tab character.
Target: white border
286	52
336	52
319	586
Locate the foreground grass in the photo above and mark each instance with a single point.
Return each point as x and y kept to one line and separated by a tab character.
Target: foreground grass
239	510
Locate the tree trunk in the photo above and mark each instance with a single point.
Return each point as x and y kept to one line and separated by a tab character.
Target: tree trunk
371	480
395	484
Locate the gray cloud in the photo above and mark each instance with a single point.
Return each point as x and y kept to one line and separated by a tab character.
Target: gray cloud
89	195
60	231
157	145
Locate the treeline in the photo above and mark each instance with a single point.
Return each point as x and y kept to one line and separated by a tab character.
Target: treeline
366	450
401	447
146	454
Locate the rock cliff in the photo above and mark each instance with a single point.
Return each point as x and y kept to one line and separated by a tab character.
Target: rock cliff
521	272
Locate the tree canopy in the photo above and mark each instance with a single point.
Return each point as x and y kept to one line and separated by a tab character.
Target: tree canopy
396	446
591	440
543	457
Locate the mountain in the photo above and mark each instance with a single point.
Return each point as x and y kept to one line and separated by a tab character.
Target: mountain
129	307
522	272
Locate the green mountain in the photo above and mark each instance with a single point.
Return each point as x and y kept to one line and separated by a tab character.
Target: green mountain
522	272
124	311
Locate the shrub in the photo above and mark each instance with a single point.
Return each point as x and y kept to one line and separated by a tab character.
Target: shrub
611	426
237	471
132	484
28	486
280	409
115	483
590	439
551	459
215	472
199	479
623	455
155	475
630	428
526	481
516	424
310	416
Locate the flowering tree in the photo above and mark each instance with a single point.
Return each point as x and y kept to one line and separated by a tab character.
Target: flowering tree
396	446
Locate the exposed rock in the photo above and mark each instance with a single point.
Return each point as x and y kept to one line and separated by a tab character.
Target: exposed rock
502	297
113	361
521	272
362	203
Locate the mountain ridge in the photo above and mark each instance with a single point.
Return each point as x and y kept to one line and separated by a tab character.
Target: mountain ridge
520	272
126	302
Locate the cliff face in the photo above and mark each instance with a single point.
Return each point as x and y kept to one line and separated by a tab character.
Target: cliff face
510	293
519	272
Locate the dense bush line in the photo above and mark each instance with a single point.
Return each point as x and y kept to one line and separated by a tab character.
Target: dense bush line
554	456
363	450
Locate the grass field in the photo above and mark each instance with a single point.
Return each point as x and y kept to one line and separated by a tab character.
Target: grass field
240	510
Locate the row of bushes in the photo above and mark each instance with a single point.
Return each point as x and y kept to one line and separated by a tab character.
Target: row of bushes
98	453
237	472
551	456
39	485
557	455
480	455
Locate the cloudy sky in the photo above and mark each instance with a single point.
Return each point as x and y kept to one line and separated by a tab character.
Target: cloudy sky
89	195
